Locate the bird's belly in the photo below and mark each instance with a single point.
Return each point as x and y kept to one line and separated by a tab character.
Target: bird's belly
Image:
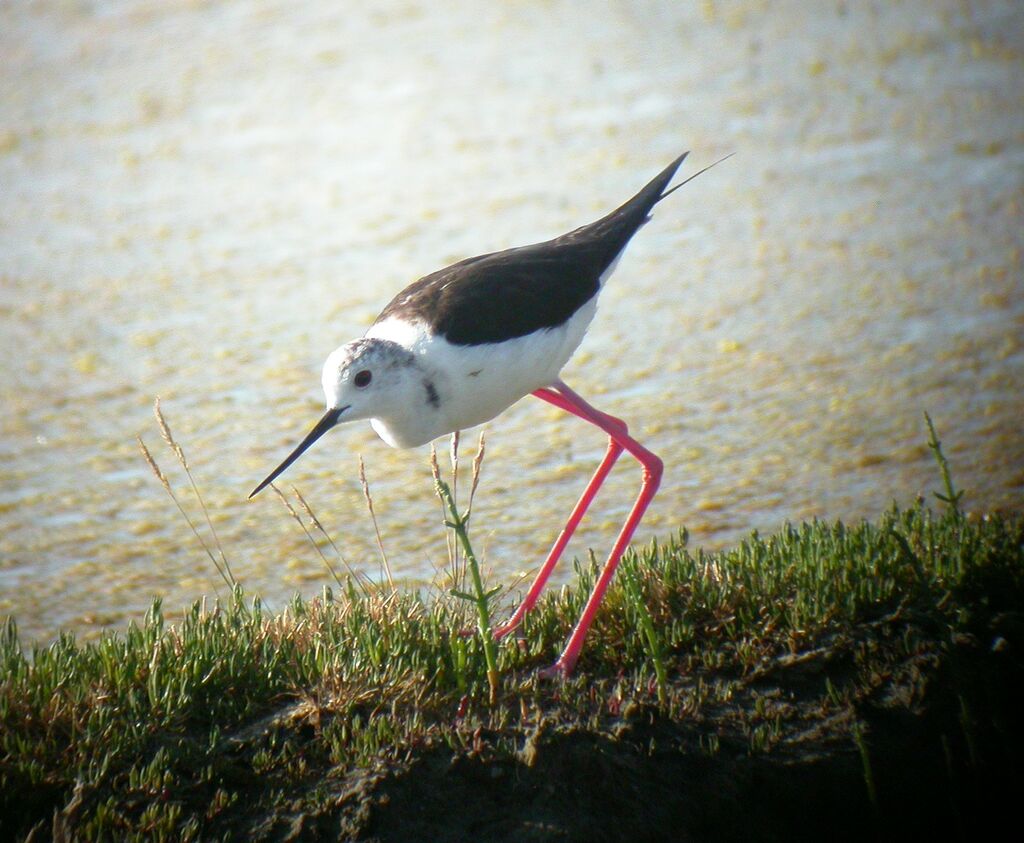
403	435
493	377
477	382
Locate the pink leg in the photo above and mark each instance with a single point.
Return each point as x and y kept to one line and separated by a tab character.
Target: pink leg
611	455
562	396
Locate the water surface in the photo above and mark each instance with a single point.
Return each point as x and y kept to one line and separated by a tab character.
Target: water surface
201	200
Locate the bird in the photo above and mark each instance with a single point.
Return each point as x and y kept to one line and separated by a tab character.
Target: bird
459	346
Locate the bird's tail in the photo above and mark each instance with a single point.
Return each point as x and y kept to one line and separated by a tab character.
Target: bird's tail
612	232
676	164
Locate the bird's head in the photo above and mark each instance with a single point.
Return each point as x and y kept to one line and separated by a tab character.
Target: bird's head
365	378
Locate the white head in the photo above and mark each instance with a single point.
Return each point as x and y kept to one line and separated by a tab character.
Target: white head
366	378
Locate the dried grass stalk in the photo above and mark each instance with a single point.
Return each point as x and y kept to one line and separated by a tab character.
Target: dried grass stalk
376	527
225	573
165	431
318	526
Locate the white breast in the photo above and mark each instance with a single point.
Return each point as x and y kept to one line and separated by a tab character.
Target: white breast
476	382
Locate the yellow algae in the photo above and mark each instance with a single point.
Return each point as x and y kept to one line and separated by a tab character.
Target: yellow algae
869	460
100	618
86	363
145	527
9	141
298	577
147	339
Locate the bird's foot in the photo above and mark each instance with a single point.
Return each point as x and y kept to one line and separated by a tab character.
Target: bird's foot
504	629
558	671
498	632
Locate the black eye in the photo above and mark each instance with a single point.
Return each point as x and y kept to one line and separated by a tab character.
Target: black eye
363	378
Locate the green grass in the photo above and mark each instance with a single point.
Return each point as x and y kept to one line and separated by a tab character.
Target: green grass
201	728
163	731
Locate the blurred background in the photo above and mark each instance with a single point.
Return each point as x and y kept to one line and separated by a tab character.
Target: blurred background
200	200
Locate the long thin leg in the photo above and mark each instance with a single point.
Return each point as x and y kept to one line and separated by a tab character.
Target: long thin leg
564	397
611	455
650	479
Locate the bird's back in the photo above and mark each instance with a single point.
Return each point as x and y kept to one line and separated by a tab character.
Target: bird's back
503	295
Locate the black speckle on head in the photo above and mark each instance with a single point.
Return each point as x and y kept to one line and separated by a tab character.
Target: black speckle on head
375	353
433	399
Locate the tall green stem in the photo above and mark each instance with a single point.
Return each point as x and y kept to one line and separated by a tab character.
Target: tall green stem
480	597
952	496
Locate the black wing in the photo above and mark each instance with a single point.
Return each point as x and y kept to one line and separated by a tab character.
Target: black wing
503	295
499	296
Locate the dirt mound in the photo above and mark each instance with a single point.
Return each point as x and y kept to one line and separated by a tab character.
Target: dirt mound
889	733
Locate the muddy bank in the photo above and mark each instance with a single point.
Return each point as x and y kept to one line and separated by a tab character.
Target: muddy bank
890	730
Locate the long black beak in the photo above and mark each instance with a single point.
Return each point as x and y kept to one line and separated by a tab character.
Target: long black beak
330	419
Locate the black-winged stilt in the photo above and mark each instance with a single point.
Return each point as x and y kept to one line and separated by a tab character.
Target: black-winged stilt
459	346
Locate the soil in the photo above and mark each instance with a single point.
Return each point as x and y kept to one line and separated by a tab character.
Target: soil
915	734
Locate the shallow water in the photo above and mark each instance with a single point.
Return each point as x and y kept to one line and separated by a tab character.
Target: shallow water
201	200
